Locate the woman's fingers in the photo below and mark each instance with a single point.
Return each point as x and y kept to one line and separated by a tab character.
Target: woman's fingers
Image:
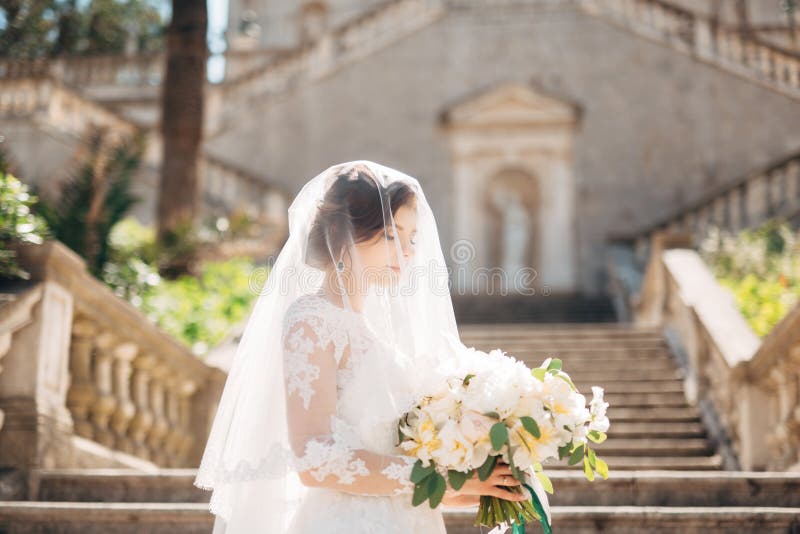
502	469
505	480
508	495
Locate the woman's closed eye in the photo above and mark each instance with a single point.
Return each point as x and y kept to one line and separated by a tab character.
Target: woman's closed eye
412	240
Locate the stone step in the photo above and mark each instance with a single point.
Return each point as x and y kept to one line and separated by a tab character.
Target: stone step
639	488
677	488
186	518
650	463
569	355
505	330
25	517
549	344
654	414
659	365
627	429
654	447
119	485
662	386
630	376
621	400
650	519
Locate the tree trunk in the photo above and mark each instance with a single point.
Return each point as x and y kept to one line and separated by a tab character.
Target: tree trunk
182	120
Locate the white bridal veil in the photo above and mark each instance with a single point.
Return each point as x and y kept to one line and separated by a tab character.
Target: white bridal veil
367	233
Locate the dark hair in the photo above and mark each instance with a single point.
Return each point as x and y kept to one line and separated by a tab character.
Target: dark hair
352	206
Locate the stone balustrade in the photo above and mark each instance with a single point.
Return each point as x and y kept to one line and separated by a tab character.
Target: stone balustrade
16	312
363	35
227	189
706	39
139	70
702	37
745	203
48	101
747	389
90	381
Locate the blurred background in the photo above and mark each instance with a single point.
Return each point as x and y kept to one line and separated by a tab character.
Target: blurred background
614	181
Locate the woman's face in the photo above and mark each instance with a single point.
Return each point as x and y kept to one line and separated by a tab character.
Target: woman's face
379	256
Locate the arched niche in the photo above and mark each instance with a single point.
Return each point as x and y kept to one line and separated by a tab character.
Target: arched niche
517	138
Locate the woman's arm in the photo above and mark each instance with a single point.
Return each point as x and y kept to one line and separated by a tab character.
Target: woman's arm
327	452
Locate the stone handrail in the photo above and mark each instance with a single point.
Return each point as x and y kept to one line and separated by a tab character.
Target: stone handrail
746	388
227	189
53	104
136	70
50	102
743	54
745	203
90	381
357	38
16	312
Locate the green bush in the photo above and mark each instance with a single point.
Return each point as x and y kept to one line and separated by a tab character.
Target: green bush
198	310
762	269
17	224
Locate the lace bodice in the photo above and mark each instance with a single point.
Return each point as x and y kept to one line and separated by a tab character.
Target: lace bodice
345	389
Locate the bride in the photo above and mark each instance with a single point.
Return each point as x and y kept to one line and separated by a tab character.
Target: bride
346	333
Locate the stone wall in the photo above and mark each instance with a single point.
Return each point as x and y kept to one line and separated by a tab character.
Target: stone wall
658	130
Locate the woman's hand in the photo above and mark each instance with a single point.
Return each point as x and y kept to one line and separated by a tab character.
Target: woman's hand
474	487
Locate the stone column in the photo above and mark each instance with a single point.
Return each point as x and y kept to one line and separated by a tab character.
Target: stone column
82	394
106	403
125	410
142	421
160	427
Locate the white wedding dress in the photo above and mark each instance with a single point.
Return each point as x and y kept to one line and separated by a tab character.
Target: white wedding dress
334	368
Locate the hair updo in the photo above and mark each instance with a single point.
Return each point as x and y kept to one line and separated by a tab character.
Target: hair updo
354	205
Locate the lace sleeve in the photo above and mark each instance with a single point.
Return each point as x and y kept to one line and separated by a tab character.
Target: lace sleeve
327	451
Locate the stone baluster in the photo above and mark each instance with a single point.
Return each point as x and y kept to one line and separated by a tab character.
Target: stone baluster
184	407
126	409
178	391
160	427
105	403
82	392
142	421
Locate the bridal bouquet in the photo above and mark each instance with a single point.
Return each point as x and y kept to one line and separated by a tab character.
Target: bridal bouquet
491	406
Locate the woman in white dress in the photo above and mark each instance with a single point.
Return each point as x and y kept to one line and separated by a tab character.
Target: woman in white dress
349	328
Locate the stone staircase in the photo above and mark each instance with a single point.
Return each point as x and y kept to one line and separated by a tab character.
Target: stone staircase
666	475
653	425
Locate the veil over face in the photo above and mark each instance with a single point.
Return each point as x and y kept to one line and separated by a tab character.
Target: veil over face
363	237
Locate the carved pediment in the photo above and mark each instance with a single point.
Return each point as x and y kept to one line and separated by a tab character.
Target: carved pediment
511	104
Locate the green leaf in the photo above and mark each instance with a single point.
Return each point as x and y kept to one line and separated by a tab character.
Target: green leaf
587	469
564	451
576	455
499	435
554	364
563	376
539	373
466	380
420	494
530	425
597	437
436	489
514	471
420	473
592	457
457	478
488	466
492	414
601	467
546	483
